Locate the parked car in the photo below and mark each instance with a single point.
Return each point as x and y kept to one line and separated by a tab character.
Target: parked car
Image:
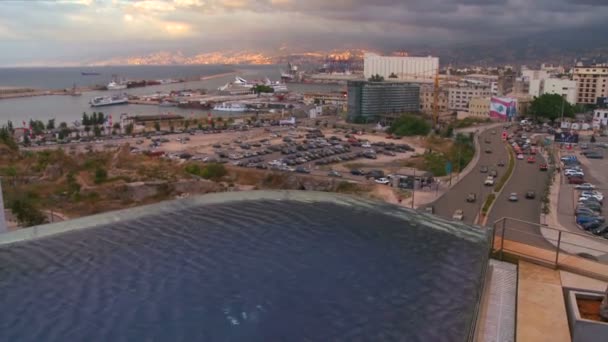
430	209
585	186
591	225
382	181
334	173
592	193
584	219
585	212
301	169
530	194
471	197
594	155
591	205
576	180
357	172
458	215
600	230
513	197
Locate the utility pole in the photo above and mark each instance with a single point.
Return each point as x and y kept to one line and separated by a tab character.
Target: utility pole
413	189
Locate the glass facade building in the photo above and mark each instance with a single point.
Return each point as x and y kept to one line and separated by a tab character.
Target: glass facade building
371	101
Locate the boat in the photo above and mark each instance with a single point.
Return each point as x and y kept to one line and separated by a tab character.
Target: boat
278	87
230	107
116	86
89	73
109	100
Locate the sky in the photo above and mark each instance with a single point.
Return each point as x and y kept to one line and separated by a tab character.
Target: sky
69	31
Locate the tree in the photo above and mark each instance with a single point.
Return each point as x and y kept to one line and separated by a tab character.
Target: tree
157	126
101	175
549	106
129	129
97	131
87	129
116	126
50	125
86	121
392	75
6	138
186	124
410	125
262	88
376	78
592	140
26	213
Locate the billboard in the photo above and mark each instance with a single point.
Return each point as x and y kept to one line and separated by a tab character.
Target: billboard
602	102
566	137
503	108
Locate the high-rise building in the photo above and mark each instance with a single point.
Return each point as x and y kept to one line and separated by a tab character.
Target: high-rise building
563	87
592	82
397	68
427	98
3	227
370	101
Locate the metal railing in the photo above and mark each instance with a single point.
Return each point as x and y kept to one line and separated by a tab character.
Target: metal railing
581	253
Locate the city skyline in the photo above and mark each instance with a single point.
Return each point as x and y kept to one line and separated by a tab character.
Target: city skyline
84	31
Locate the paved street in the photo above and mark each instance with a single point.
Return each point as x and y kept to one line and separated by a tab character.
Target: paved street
526	176
473	182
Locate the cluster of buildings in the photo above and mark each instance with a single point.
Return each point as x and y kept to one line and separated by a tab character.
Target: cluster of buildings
407	84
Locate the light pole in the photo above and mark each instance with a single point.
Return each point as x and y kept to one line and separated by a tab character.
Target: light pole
563	103
413	189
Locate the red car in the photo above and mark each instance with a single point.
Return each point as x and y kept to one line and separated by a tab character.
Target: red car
543	167
532	151
576	180
531	160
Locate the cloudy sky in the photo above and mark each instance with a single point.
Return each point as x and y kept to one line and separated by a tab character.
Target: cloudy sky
51	31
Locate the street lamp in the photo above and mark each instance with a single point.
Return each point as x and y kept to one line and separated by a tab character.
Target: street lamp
563	103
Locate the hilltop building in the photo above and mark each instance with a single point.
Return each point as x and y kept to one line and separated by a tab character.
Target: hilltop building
371	101
397	68
592	82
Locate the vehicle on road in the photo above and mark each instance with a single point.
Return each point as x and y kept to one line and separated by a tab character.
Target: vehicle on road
487	141
493	131
520	156
458	215
489	181
594	155
471	197
568	158
483	169
301	169
334	173
543	167
501	163
488	150
513	197
494	173
585	186
531	160
530	194
382	181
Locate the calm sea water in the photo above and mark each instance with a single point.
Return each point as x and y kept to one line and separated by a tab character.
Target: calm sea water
70	108
263	270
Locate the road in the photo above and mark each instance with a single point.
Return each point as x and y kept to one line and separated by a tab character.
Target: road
526	177
455	198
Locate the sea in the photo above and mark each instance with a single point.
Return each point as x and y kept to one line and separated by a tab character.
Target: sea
68	109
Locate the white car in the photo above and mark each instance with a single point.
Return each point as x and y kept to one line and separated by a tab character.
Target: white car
596	194
575	174
520	156
382	181
489	181
585	186
458	215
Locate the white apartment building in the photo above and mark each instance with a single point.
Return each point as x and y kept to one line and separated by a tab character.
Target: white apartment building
600	118
459	97
592	82
411	69
564	87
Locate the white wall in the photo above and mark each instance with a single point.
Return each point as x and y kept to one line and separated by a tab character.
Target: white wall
535	88
561	87
406	68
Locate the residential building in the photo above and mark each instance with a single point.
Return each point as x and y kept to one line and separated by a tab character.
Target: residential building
479	107
333	98
521	86
600	118
427	97
564	87
410	69
505	83
459	97
370	101
592	82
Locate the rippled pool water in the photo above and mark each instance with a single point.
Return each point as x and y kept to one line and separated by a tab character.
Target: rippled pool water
247	270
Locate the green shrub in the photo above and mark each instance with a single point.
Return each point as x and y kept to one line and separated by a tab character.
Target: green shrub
214	171
505	177
409	125
101	175
488	203
193	169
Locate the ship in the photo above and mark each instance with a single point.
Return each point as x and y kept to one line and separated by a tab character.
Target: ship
290	74
89	73
116	86
242	83
109	100
230	107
